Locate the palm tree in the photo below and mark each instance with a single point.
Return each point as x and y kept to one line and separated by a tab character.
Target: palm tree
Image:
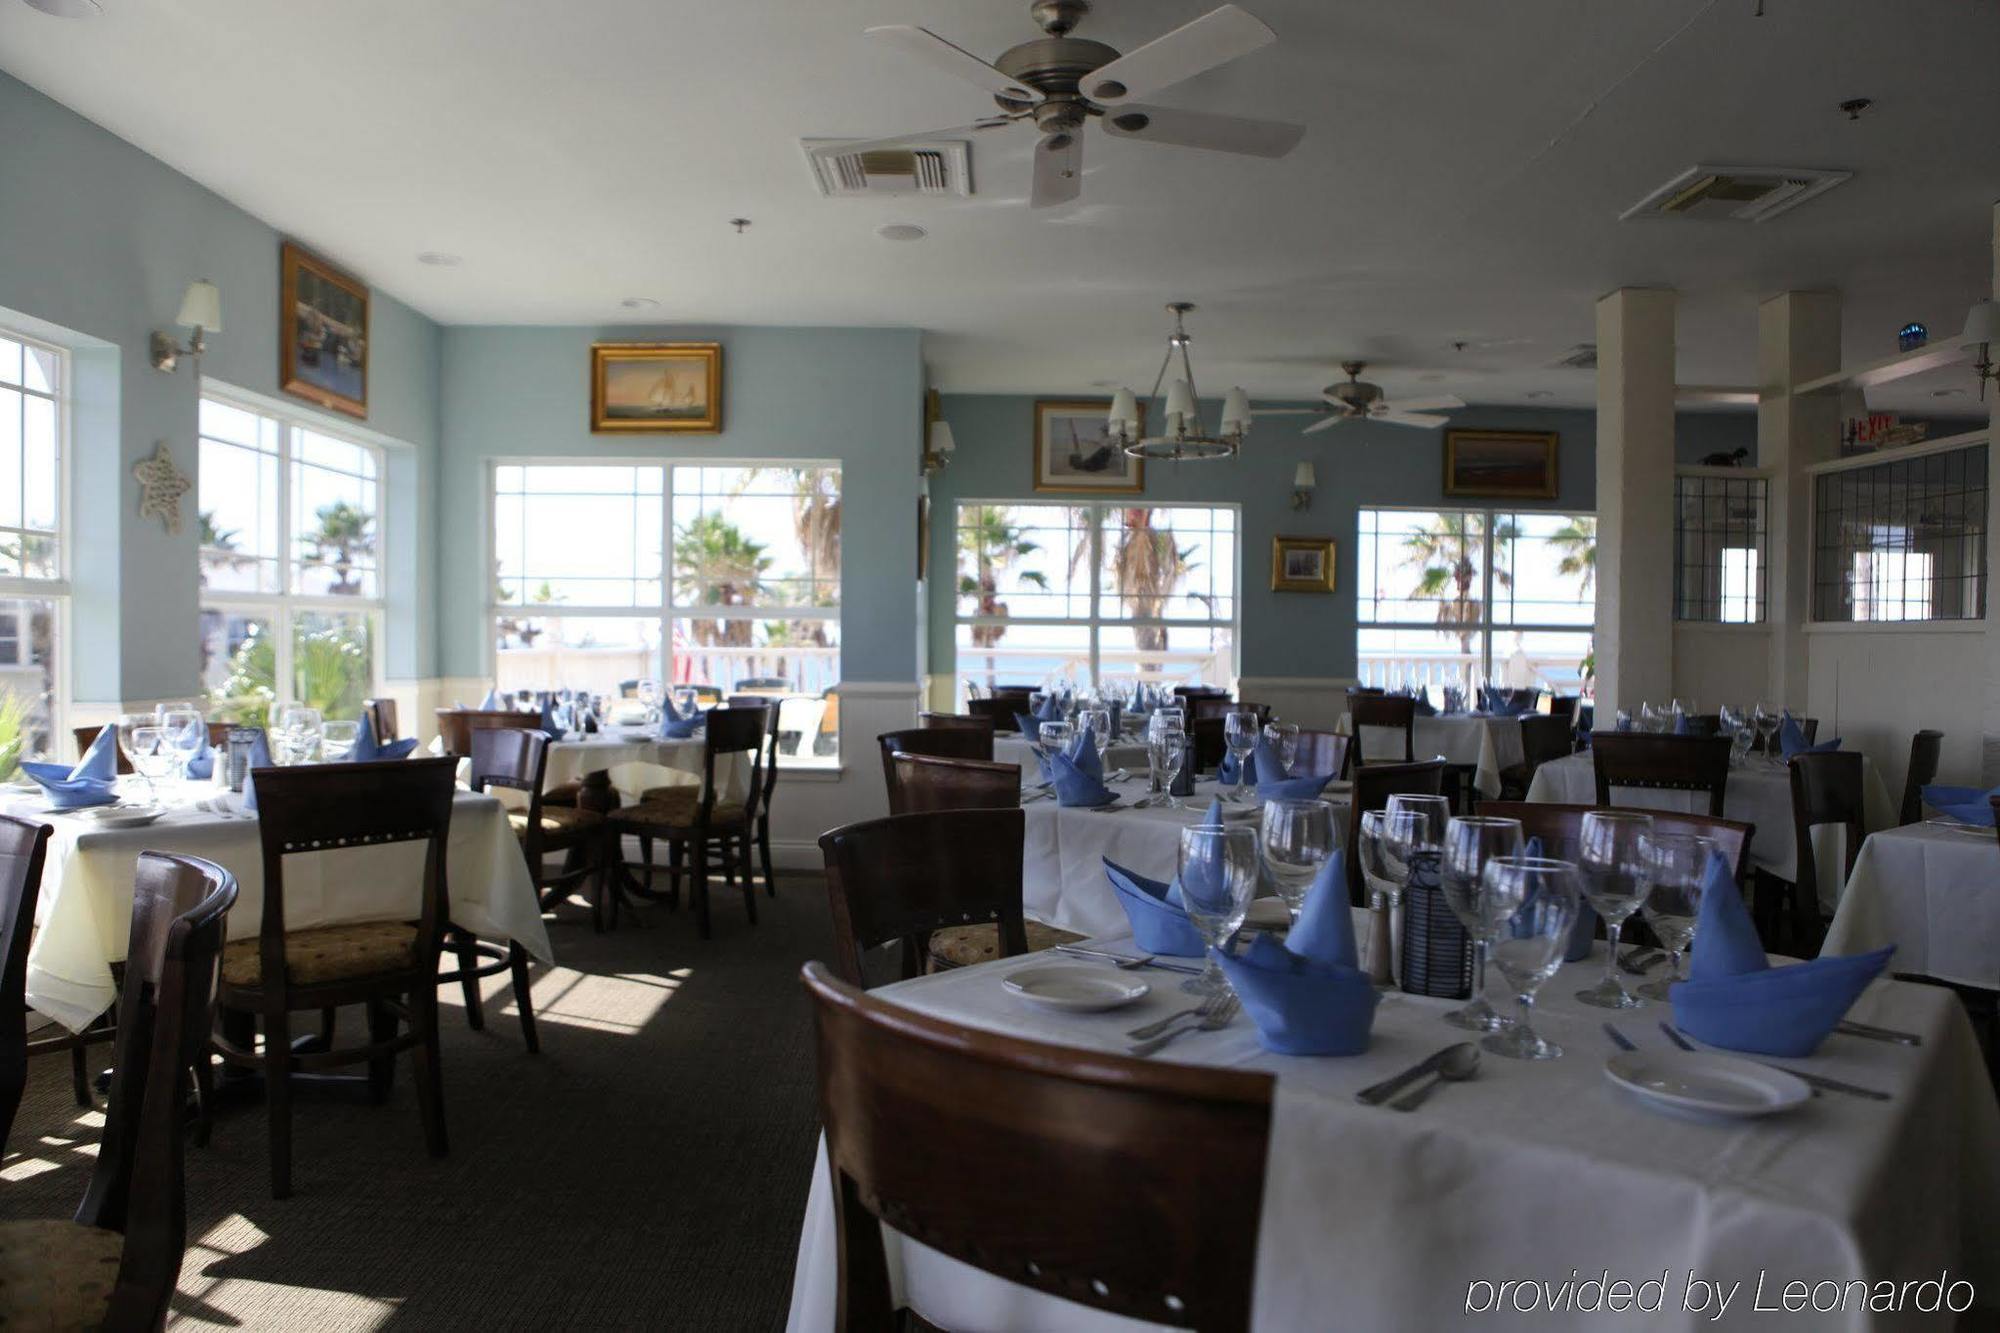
1147	569
716	565
1445	556
343	534
1577	540
816	520
993	543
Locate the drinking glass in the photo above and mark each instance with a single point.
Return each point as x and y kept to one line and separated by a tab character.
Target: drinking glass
1381	875
1056	736
1239	733
1165	749
1098	719
295	733
1675	865
1767	719
1469	843
686	700
1435	811
649	699
1528	905
152	758
1298	836
1284	739
1218	877
129	727
1611	863
337	739
182	733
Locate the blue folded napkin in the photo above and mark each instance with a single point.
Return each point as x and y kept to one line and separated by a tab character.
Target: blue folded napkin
1682	727
1263	759
201	764
492	703
1293	789
678	726
1308	996
1079	777
1582	931
1159	919
1968	805
89	783
1792	740
260	757
367	748
1030	725
1735	999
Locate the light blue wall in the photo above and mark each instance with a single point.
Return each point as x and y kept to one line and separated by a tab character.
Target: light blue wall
97	242
849	395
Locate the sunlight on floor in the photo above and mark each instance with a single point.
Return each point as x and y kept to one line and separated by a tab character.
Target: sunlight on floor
21	1166
622	1002
202	1299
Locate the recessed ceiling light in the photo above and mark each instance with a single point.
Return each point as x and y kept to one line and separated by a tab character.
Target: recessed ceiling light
69	9
439	259
639	303
901	231
1540	393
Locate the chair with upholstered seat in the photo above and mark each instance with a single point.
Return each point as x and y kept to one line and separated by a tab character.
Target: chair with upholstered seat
1000	709
947	721
1320	753
23	848
1379	713
116	1265
943	742
695	819
1661	763
391	966
1826	789
515	759
937	782
1131	1186
762	834
943	885
1374	784
1558	827
1543	739
381	715
1925	748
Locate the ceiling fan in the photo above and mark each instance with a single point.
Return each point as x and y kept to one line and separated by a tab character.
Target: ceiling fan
1060	82
1358	400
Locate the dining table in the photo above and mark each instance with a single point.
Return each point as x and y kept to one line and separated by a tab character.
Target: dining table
83	916
1539	1172
1016	749
1486	743
1932	889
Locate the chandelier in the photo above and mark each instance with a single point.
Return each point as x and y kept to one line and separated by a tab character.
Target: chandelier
1181	433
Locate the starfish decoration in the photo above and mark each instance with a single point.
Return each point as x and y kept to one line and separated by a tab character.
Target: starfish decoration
161	486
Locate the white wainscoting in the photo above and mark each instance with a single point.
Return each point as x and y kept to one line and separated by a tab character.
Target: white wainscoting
1314	702
1876	686
1721	664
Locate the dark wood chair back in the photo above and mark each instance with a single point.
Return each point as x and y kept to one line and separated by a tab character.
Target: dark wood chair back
1557	826
1321	752
896	880
1925	747
930	782
736	731
1216	705
456	725
943	742
1661	763
24	847
750	701
1186	692
1000	710
381	715
1374	784
926	1132
1826	789
517	759
166	1008
950	721
1210	741
1389	712
87	736
1543	739
1564	706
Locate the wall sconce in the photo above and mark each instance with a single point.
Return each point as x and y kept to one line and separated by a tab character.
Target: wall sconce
938	447
201	310
1982	325
1303	482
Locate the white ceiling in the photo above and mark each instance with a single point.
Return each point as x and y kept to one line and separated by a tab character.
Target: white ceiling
1461	178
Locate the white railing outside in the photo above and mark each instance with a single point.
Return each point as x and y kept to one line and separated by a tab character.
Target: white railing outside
1404	670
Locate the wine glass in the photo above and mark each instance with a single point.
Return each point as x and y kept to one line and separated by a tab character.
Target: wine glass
1166	748
337	739
1098	720
1239	733
183	732
1611	863
1284	739
1381	875
1767	719
649	699
129	742
1469	843
1528	905
1297	836
151	755
296	733
1218	877
1675	866
1056	737
686	701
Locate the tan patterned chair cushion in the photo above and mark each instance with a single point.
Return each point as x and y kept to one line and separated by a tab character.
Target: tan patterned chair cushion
676	807
962	946
557	821
330	953
565	794
56	1274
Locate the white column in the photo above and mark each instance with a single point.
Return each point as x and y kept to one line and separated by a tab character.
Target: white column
1798	339
1990	747
1635	499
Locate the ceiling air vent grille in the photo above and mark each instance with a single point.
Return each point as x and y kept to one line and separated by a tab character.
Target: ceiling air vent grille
923	167
1735	194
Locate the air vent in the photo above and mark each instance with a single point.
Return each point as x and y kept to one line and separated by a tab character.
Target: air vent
931	166
1583	356
1734	194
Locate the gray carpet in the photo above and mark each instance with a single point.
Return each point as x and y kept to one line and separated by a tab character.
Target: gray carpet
648	1169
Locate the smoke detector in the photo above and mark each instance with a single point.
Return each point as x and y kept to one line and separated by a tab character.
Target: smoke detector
921	166
1735	194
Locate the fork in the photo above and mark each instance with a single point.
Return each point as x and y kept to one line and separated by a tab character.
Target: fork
1216	1011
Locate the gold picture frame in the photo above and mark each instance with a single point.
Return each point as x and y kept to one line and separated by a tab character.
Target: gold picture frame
322	333
1501	464
650	388
1302	564
1084	458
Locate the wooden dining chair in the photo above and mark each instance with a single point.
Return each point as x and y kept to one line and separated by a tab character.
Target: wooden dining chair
935	782
762	817
1219	705
1210	739
948	721
23	848
1826	789
1925	749
1020	1159
516	759
1557	826
389	966
1186	693
1000	710
1378	713
456	725
85	737
1321	752
945	743
381	715
1661	763
1565	706
1543	738
695	820
1374	784
116	1264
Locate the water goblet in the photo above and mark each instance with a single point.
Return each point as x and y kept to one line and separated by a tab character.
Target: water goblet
337	738
152	756
1055	737
1528	905
1218	877
1469	843
1767	720
1098	720
1611	865
1676	864
1239	733
1297	837
1166	748
183	733
129	727
296	733
1284	739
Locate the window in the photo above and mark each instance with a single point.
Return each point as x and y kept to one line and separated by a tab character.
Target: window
726	577
1903	539
291	560
1112	594
1464	598
34	592
1719	533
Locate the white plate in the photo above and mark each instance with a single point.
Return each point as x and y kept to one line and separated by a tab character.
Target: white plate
1080	990
122	816
1705	1083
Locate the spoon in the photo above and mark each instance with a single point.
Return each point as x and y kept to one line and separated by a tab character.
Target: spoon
1458	1065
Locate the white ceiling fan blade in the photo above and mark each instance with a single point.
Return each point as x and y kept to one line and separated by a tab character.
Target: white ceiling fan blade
928	46
1216	38
1413	419
905	140
1444	402
1058	170
1289	411
1328	424
1199	129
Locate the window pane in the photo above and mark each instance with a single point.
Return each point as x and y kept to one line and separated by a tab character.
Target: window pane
601	654
1024	560
238	500
1544	569
1902	540
239	666
788	656
1394	658
756	536
335	504
1168	564
1166	655
1719	532
10	361
40	370
1421	567
333	661
28	666
578	536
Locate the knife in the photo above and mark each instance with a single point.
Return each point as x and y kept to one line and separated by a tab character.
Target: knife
1389	1087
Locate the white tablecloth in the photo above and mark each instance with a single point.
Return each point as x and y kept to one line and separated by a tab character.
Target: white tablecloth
1378	1220
1487	744
1758	793
1011	749
1932	892
570	761
84	918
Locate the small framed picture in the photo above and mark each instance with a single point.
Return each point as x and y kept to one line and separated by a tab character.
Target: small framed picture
1501	464
648	387
1073	452
1302	564
323	333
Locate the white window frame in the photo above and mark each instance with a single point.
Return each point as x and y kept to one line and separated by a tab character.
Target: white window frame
279	607
56	590
1096	621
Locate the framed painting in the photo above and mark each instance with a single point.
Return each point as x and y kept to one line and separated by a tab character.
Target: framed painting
1073	452
1501	464
323	333
1302	564
652	387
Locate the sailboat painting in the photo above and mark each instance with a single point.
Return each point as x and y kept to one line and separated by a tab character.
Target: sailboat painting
656	387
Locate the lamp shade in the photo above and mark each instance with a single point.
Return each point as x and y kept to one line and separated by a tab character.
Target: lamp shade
940	440
1122	423
1982	323
1180	404
1236	413
201	308
1304	479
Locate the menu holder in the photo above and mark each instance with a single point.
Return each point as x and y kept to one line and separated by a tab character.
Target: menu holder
1437	949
